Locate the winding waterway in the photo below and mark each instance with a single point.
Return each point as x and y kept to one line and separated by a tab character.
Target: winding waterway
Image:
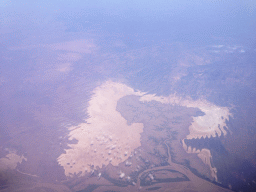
201	184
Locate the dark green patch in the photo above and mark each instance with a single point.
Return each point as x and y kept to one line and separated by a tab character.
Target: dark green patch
90	188
145	181
153	188
116	182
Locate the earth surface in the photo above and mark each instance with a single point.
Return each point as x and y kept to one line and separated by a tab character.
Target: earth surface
127	96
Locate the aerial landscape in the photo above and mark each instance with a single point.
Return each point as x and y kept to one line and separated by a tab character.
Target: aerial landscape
127	96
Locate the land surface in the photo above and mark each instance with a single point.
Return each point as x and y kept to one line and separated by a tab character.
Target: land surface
156	160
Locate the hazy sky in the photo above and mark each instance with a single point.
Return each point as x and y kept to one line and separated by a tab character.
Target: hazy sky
234	18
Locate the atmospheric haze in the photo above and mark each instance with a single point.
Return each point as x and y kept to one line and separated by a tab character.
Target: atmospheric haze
127	96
